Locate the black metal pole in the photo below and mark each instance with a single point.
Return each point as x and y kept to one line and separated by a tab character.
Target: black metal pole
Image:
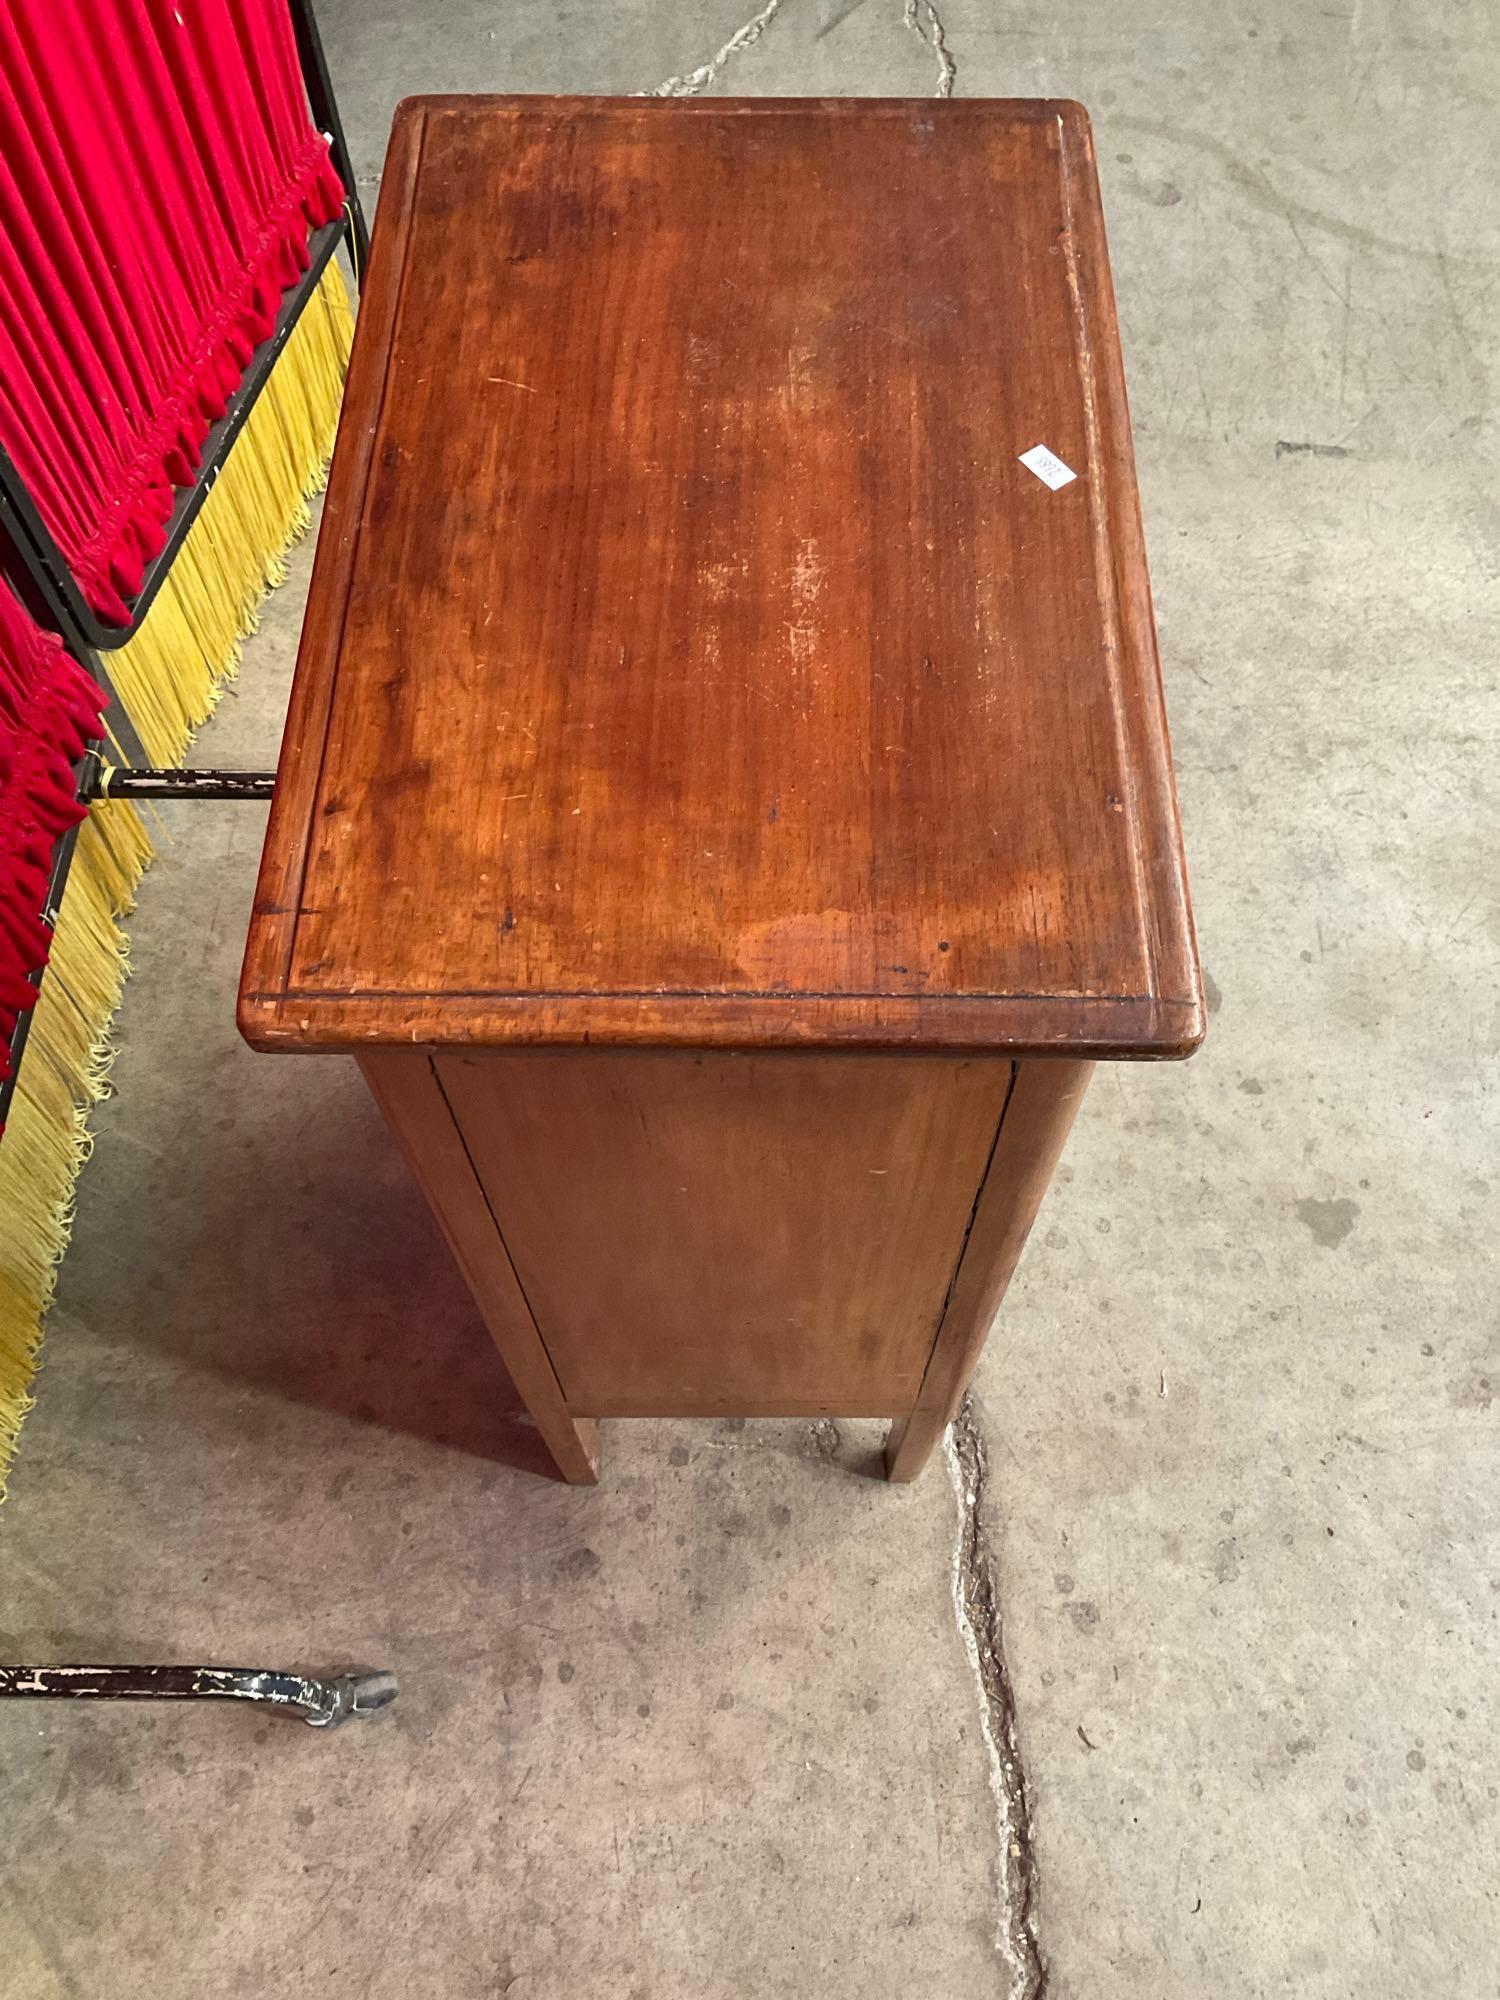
150	783
325	111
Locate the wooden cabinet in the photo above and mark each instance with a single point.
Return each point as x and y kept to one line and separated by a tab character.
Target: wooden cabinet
726	804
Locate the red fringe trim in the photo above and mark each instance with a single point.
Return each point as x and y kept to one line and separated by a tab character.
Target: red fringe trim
49	712
111	566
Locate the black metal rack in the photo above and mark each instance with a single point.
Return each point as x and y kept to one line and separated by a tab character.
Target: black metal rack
69	611
37	569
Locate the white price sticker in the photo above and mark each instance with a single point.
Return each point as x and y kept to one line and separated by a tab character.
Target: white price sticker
1047	466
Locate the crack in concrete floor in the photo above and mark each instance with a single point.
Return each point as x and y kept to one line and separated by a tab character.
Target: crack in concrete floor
933	36
706	74
976	1609
921	17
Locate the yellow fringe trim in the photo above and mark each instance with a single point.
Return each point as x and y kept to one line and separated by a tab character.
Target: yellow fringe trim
173	671
64	1074
169	677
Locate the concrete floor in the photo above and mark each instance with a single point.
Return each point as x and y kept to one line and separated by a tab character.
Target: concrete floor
713	1729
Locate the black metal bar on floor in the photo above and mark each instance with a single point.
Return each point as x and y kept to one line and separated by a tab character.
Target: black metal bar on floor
323	1701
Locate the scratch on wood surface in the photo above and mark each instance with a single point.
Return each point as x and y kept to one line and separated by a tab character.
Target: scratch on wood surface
807	583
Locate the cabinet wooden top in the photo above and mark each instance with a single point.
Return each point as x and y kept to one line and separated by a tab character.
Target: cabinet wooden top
691	658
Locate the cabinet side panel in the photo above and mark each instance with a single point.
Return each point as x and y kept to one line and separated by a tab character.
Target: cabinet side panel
405	1086
701	1234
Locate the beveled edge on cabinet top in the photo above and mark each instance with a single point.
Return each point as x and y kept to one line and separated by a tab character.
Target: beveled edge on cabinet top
1165	1023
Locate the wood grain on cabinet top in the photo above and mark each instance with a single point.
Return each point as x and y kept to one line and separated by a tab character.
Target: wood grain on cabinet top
690	658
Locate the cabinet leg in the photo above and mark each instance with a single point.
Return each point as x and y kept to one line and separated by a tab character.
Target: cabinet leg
910	1444
1044	1096
574	1443
405	1086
